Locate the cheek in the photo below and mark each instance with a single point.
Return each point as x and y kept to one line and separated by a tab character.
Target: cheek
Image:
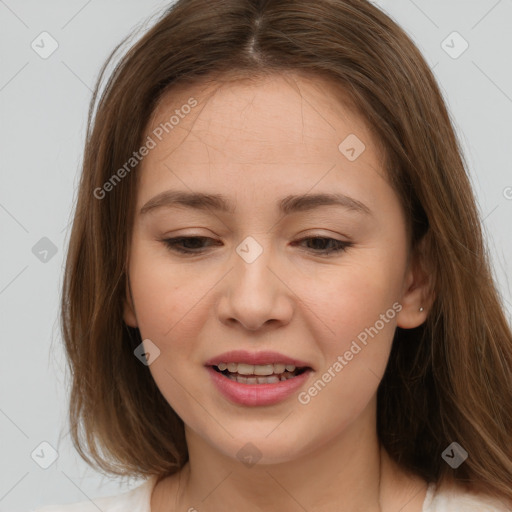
167	299
353	296
358	301
169	305
361	308
154	294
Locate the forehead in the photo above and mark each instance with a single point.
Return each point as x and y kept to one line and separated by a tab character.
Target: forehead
297	107
286	123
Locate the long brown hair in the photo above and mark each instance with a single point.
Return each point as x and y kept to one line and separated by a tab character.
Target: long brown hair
447	380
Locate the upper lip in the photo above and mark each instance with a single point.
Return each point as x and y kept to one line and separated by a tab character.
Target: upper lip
265	357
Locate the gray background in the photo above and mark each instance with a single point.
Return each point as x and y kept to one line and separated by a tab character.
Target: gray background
43	109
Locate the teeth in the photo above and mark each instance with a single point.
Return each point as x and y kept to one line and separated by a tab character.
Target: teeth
268	380
263	369
279	368
256	369
260	380
244	369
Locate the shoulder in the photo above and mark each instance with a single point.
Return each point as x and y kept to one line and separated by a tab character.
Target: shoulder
457	499
137	499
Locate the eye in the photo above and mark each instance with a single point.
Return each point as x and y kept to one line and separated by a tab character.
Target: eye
194	244
174	244
339	245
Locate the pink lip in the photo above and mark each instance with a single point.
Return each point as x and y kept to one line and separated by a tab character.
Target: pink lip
267	357
256	394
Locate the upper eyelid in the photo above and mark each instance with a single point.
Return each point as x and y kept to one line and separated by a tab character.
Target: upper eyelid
300	237
179	238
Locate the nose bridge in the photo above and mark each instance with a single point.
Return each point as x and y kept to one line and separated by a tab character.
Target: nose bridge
254	294
254	257
257	252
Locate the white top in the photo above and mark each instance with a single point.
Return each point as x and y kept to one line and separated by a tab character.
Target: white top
139	498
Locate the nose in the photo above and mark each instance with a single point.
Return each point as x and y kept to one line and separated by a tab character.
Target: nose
256	295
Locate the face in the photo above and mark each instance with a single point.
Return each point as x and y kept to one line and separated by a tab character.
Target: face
320	283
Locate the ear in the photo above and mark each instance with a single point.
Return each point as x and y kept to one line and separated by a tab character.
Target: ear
128	309
417	291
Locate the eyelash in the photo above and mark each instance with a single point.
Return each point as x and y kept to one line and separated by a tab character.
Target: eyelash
172	244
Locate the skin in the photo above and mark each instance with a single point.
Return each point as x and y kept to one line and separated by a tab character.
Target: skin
256	142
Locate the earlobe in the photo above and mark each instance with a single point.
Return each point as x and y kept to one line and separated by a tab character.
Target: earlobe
409	318
129	316
417	297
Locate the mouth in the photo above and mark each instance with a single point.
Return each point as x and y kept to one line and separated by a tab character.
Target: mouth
259	373
260	379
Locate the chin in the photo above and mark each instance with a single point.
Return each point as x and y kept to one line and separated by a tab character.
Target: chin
271	446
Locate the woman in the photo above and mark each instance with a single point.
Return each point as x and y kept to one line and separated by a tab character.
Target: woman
259	368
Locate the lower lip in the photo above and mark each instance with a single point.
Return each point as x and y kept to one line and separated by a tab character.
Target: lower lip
257	394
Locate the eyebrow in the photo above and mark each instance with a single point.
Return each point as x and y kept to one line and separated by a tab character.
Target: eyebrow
218	202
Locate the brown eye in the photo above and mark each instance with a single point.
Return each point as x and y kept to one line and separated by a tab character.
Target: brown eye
319	244
186	244
195	244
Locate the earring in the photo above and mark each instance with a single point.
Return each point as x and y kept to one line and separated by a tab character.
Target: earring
421	310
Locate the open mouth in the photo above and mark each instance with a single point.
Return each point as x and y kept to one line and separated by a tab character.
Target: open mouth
259	374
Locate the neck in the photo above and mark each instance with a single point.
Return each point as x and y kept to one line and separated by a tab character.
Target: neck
344	471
